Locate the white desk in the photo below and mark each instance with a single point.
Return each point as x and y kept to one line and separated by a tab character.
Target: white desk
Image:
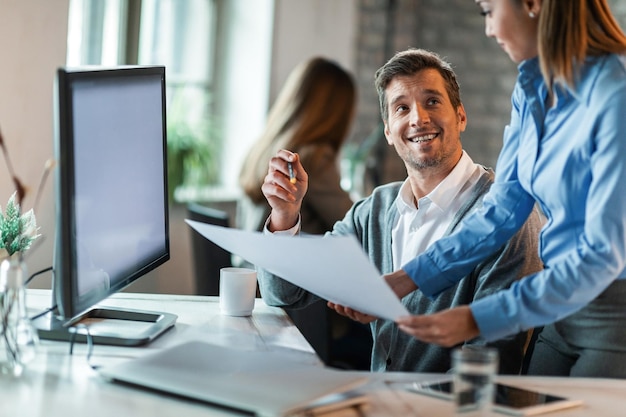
60	385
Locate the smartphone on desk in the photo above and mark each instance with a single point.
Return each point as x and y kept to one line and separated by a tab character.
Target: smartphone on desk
508	399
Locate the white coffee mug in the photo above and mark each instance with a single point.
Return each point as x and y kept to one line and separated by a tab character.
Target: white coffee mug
237	291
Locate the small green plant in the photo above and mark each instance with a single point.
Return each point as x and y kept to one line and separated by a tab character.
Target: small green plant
192	155
17	231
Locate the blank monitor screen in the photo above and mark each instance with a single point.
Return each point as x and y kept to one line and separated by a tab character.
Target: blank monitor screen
118	188
111	186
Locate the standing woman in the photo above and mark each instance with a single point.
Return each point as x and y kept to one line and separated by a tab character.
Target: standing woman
311	116
564	149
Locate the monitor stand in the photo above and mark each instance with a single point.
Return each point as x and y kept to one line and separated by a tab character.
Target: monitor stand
108	326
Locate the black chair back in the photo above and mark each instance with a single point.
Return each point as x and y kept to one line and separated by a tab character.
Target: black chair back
208	258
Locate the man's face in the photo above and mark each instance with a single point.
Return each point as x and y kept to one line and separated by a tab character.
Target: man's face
423	126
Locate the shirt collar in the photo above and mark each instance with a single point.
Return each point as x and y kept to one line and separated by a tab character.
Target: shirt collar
444	193
530	72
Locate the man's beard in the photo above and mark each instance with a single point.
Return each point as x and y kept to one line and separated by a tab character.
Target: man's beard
423	163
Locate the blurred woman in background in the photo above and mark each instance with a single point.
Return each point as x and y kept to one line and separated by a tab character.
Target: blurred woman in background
311	117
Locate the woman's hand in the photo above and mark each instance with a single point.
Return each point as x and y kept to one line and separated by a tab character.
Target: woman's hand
283	192
446	328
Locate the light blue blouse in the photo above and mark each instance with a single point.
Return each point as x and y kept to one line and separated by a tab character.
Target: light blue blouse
570	159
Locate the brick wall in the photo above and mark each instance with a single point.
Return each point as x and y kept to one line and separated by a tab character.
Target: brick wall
455	30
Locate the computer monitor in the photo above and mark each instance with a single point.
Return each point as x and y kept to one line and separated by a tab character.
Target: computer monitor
111	199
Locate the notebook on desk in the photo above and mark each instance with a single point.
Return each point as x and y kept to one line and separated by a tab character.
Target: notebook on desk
259	382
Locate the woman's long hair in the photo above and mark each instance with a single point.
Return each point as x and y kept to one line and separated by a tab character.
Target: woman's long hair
315	107
571	30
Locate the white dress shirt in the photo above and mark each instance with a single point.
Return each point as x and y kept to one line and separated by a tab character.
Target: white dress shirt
418	227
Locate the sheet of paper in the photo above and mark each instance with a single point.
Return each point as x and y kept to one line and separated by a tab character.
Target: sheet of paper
334	268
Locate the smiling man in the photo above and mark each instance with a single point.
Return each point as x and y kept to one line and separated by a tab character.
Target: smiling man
423	116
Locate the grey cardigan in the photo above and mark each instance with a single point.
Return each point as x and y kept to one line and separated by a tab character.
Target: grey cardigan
370	221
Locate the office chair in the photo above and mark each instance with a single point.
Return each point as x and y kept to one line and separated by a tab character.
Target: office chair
208	258
338	341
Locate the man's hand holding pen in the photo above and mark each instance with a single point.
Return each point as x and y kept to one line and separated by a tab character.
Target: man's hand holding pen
284	188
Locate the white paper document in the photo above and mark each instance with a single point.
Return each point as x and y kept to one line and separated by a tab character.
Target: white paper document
333	267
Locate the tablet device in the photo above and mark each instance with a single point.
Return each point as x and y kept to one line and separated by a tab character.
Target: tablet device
508	399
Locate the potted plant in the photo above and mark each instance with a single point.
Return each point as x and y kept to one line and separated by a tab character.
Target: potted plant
193	150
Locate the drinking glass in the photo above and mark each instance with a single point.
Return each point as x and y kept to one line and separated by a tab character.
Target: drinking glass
474	373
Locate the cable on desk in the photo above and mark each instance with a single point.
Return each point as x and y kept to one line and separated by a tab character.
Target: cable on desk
36	274
43	313
74	330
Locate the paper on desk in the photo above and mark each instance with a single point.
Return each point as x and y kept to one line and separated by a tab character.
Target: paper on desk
334	267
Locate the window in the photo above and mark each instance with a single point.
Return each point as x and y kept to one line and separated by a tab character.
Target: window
177	34
96	32
206	136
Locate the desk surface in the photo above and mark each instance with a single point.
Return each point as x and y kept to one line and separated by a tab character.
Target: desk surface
59	385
